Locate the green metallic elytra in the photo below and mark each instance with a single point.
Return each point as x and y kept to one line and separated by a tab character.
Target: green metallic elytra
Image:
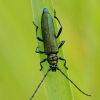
48	34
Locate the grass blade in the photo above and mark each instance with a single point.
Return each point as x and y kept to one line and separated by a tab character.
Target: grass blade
57	87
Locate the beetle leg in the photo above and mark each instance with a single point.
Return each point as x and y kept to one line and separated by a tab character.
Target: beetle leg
38	51
36	33
43	60
64	61
60	30
61	44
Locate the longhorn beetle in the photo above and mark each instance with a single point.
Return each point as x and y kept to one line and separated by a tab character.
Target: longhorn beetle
50	46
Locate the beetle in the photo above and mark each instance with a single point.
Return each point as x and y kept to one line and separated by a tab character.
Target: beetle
51	47
49	40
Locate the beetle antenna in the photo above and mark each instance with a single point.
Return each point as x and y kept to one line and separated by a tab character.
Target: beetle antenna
40	83
73	82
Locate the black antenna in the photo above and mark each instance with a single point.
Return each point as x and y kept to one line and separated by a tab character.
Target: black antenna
40	83
73	82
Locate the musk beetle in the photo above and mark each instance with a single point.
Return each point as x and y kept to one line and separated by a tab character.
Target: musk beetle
50	46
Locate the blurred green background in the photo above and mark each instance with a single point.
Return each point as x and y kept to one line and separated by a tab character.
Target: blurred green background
19	64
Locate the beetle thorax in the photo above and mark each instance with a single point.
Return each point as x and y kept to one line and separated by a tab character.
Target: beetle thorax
52	60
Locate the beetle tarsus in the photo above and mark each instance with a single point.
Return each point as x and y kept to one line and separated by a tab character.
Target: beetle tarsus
61	44
41	68
38	51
